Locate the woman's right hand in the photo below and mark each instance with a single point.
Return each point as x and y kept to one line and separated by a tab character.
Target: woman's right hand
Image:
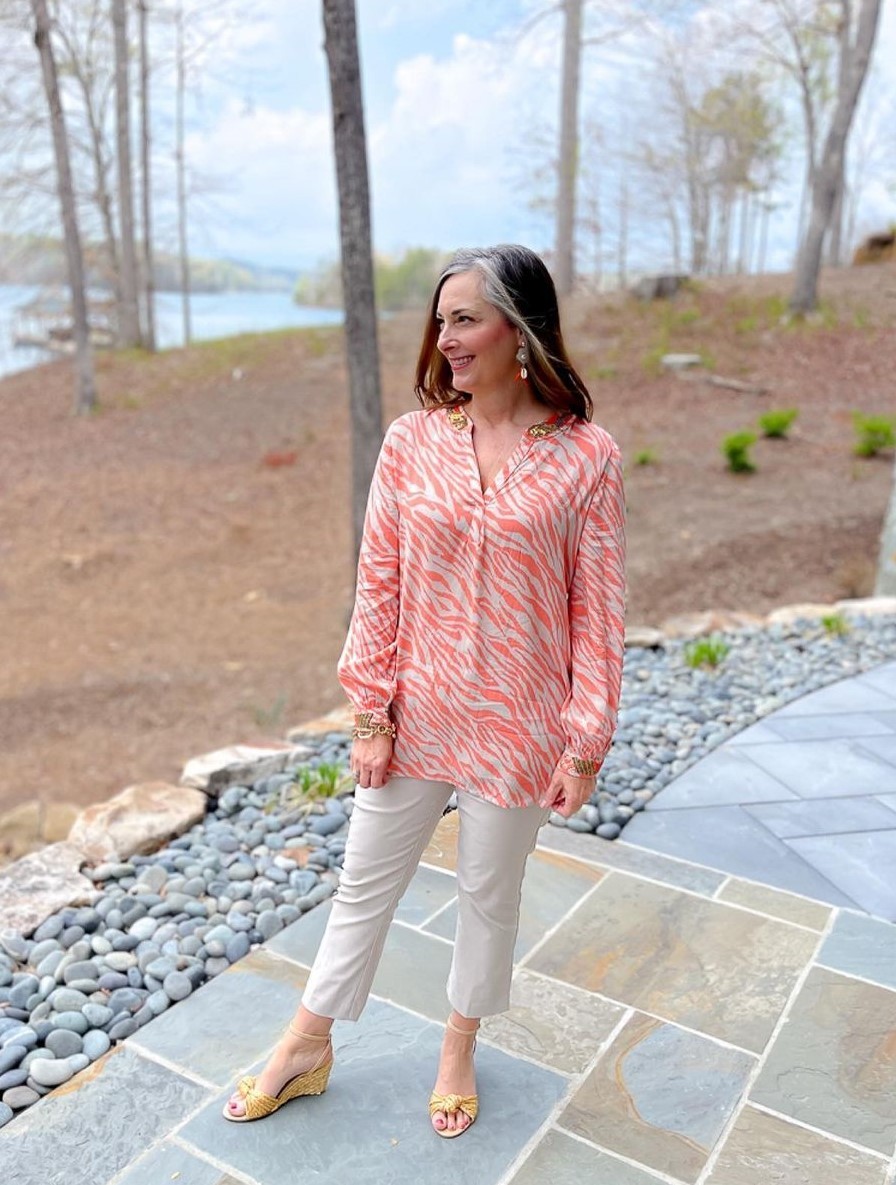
370	761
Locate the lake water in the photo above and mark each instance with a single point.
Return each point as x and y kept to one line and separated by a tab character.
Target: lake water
220	314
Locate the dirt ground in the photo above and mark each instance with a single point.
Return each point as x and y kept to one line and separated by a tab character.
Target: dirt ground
174	570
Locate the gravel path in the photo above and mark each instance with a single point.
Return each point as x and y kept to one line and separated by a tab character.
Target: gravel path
163	924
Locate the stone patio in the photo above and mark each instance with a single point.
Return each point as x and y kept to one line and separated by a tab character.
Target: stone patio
675	1019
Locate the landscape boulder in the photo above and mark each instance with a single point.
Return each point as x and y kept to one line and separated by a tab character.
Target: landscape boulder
658	287
136	821
37	885
877	248
240	765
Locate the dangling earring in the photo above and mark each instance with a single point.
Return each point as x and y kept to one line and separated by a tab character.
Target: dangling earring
522	357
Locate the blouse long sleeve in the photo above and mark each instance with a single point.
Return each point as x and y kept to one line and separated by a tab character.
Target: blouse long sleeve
597	627
367	666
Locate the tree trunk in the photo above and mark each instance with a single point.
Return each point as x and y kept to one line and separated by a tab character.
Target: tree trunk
568	163
180	161
341	44
149	296
85	389
622	257
129	326
886	567
830	167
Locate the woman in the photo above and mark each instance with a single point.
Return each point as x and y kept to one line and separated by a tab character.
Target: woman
484	656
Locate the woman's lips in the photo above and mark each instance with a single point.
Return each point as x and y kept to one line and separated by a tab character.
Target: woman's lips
460	363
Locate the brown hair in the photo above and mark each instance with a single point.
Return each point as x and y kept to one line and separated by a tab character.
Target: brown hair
516	281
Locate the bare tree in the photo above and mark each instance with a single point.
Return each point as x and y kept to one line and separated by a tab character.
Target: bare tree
181	166
85	398
129	325
568	160
857	35
341	44
148	332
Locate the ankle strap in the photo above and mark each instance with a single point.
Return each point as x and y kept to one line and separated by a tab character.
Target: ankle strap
308	1036
463	1032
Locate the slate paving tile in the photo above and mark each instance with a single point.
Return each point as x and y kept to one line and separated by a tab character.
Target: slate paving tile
553	884
739	844
785	906
561	1160
629	858
886	718
762	1148
428	891
171	1163
822	816
372	1126
861	864
722	971
660	1096
442	848
93	1127
861	946
884	748
847	695
882	678
826	725
553	1022
832	1064
723	777
754	734
827	769
230	1021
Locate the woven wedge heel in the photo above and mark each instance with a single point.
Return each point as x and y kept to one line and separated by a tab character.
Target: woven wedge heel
258	1105
452	1104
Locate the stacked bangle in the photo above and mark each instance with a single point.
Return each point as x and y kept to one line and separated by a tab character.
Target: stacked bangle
585	768
365	728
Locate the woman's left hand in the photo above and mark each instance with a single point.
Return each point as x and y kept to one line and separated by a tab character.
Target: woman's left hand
567	793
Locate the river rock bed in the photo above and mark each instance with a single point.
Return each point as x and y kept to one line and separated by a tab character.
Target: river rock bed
163	924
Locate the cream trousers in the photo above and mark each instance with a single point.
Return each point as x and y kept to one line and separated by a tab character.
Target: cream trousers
389	830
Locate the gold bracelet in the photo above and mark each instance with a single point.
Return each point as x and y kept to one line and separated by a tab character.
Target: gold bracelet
365	728
585	768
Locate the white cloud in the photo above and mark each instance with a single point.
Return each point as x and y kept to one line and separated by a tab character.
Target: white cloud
279	170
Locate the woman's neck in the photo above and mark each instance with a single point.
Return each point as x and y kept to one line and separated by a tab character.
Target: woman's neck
497	409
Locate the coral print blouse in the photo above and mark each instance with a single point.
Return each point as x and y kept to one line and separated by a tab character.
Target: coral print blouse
489	626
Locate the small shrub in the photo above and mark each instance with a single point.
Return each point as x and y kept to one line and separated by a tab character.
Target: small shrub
309	784
861	318
705	652
603	372
687	316
647	456
776	423
653	359
835	624
874	433
737	449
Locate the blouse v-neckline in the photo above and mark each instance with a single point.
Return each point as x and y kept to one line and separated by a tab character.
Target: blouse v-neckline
461	422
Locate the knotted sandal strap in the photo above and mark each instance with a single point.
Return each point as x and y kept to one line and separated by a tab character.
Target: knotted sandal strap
451	1104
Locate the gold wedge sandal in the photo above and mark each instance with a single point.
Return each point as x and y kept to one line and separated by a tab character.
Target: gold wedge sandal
452	1104
314	1081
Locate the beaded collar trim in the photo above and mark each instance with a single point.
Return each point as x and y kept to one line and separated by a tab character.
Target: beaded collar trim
459	421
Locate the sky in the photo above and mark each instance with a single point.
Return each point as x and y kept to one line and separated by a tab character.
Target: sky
461	111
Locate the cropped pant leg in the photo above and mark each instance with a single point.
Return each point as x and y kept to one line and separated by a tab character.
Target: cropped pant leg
389	830
494	844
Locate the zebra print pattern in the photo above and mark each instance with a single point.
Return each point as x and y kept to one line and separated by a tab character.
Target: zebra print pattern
489	627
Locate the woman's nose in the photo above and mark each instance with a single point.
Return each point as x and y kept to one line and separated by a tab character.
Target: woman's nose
444	336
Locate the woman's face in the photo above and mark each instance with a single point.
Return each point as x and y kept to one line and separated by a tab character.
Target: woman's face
476	338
